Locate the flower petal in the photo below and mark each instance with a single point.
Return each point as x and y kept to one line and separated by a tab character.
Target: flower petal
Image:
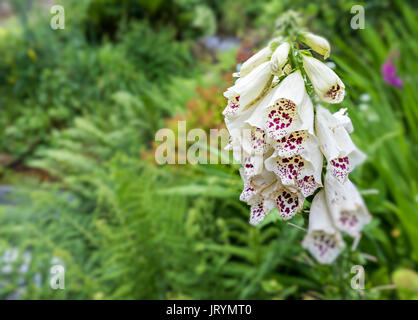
279	118
279	57
318	44
295	143
336	144
287	169
328	86
323	241
290	88
307	185
340	168
288	203
255	60
347	207
257	212
247	89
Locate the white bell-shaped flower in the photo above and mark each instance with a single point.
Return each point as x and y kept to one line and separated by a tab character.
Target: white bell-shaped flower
346	206
323	240
279	57
335	143
344	120
288	109
328	86
287	200
297	171
318	44
255	60
255	184
247	89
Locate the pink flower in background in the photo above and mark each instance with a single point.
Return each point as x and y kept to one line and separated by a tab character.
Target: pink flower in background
389	74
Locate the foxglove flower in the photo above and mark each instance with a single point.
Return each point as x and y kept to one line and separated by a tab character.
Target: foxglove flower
335	143
279	57
303	173
254	61
259	192
289	109
328	86
323	240
248	142
318	44
287	200
254	185
346	206
247	89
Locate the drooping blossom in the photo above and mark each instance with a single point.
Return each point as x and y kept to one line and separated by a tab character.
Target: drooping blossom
279	57
318	44
254	61
323	240
346	205
335	143
247	89
328	86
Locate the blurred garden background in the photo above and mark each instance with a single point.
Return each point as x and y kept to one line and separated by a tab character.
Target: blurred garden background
79	186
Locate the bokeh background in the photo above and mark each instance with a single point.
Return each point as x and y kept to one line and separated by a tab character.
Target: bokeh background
79	109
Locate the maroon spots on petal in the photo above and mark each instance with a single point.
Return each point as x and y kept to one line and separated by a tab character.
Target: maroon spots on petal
307	185
232	107
248	164
292	144
258	140
335	92
348	219
287	203
279	118
257	212
340	168
288	169
323	243
247	193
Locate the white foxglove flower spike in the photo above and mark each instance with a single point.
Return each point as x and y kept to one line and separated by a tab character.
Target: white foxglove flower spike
328	86
346	206
254	61
318	44
280	143
323	241
335	143
279	57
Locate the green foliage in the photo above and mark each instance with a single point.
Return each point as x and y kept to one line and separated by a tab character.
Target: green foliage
406	282
157	57
55	77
